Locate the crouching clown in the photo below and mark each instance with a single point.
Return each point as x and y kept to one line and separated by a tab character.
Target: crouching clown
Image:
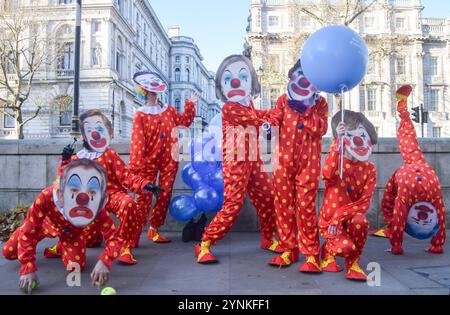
302	116
65	210
342	219
97	135
236	85
413	200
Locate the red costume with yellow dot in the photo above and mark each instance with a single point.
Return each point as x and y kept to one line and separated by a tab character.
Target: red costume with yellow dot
44	220
243	173
345	204
154	150
296	180
414	182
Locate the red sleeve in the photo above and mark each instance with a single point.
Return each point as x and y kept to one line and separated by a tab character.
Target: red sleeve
330	171
29	236
123	175
363	203
315	120
137	145
187	117
113	244
241	115
273	116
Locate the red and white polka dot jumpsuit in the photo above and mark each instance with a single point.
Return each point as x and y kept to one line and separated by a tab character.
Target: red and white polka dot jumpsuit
45	220
345	205
154	145
242	173
296	179
415	181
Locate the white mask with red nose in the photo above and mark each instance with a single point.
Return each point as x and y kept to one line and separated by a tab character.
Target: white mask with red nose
301	90
82	197
358	144
96	134
423	222
237	82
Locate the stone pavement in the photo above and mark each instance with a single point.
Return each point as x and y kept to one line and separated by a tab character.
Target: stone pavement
171	269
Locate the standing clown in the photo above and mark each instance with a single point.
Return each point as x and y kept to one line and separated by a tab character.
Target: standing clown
97	134
236	84
342	220
65	210
413	200
302	116
154	148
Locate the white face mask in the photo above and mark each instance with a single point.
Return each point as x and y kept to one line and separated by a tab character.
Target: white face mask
358	144
422	221
96	134
237	82
299	88
150	82
82	197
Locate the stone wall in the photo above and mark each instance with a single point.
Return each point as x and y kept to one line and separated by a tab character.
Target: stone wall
26	167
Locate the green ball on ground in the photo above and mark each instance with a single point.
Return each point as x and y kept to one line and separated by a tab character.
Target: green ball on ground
33	287
109	291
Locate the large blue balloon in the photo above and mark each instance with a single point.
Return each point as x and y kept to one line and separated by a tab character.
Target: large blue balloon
205	164
220	203
206	199
186	174
183	209
196	180
335	57
203	144
216	181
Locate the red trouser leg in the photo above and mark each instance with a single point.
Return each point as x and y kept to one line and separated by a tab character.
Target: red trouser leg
307	185
93	235
284	183
73	249
440	238
388	203
398	224
10	248
260	191
144	202
407	139
236	178
166	180
124	207
357	229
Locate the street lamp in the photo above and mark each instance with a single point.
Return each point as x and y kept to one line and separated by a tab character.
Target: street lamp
260	74
76	84
113	115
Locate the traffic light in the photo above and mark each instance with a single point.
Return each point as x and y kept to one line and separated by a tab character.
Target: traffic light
416	114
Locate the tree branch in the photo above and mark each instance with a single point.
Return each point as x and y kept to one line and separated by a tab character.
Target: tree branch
31	118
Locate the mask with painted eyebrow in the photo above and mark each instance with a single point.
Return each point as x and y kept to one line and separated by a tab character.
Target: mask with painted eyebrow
94	184
96	134
74	181
236	82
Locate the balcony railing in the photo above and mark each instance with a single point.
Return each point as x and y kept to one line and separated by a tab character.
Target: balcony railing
65	73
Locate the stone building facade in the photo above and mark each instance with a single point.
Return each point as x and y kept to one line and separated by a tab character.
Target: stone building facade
119	38
405	48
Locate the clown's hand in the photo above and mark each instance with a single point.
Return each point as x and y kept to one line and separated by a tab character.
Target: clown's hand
67	153
100	274
151	188
333	230
341	129
195	98
29	282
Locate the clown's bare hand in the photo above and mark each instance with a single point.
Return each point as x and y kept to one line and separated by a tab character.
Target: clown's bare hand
341	129
100	274
26	282
333	230
195	98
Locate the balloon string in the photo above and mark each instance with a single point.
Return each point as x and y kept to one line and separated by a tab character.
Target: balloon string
341	168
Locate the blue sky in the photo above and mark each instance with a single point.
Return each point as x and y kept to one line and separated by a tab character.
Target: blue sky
218	26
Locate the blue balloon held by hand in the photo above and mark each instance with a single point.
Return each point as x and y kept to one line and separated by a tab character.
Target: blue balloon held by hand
183	209
206	199
335	58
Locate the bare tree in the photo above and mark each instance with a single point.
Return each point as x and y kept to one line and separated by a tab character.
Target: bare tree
22	53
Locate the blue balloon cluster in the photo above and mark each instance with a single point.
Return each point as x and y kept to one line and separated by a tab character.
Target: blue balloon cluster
204	175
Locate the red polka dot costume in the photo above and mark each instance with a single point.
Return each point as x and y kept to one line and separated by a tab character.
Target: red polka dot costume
121	204
412	183
43	220
296	180
153	148
243	173
345	204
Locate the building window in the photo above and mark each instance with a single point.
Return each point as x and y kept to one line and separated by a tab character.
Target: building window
306	21
369	21
96	27
434	101
188	75
8	120
120	53
65	1
401	66
177	59
66	58
371	65
177	75
65	118
188	60
400	23
178	104
274	21
437	132
371	100
434	63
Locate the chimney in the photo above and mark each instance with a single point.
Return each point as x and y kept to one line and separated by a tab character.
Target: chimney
174	31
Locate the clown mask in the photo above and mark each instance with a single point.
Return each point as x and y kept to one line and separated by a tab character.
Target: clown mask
237	82
96	134
422	221
300	89
150	82
357	143
82	197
